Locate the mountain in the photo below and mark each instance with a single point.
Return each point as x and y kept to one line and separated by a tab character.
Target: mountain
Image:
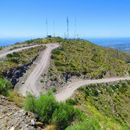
103	106
83	59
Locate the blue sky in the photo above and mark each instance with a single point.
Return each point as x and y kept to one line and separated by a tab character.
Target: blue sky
94	18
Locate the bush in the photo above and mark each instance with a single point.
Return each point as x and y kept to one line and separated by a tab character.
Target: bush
63	116
71	101
49	111
87	124
44	106
29	104
5	86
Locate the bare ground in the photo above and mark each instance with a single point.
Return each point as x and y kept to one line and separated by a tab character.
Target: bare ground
31	83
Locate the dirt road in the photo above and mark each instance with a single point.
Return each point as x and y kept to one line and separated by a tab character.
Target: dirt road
4	53
69	89
30	85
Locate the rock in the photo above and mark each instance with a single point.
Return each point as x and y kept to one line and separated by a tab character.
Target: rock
15	118
13	128
33	123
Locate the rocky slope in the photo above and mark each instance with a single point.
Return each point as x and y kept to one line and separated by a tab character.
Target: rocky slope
13	116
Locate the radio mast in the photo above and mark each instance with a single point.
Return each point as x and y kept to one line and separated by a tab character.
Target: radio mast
67	21
54	28
75	28
46	27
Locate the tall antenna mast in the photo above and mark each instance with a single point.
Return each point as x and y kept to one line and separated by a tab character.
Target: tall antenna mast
67	21
75	28
54	28
46	27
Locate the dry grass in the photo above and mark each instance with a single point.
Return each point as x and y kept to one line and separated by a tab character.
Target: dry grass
16	98
50	127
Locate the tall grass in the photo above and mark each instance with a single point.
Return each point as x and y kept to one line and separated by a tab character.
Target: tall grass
5	86
49	111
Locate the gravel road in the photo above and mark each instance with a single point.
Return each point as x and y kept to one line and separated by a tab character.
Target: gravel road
5	53
69	89
30	85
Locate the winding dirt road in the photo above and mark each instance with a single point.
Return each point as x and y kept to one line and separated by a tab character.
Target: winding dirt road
69	89
30	85
5	53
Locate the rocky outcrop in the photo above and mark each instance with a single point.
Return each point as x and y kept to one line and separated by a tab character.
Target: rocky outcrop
15	73
13	117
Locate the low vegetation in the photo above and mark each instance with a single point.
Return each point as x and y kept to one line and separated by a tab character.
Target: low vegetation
83	59
44	40
94	107
49	111
107	106
5	87
15	97
1	48
19	58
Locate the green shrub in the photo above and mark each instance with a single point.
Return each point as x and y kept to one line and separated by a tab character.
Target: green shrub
63	116
43	106
71	101
87	124
49	111
29	104
5	86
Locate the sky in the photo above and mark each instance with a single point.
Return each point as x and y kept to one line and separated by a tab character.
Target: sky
87	18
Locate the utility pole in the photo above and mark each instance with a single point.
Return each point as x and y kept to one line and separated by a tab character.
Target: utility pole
67	21
54	28
75	28
46	27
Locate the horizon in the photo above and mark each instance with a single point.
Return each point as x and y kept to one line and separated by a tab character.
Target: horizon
101	41
87	18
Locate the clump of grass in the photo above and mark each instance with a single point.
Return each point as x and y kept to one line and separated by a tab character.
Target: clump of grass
43	106
16	98
64	115
87	124
49	111
5	86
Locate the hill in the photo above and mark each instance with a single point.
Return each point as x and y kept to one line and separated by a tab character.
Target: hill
106	106
83	59
94	107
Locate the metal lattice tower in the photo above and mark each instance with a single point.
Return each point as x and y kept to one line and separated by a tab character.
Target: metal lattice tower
75	28
54	28
46	27
67	21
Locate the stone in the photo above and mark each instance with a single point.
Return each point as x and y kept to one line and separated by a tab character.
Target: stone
14	118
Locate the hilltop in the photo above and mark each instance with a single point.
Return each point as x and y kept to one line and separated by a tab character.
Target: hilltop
82	59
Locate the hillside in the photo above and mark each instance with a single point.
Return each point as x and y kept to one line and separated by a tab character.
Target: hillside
83	59
106	106
99	106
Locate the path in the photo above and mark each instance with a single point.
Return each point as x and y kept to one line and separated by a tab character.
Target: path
69	89
5	53
30	85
